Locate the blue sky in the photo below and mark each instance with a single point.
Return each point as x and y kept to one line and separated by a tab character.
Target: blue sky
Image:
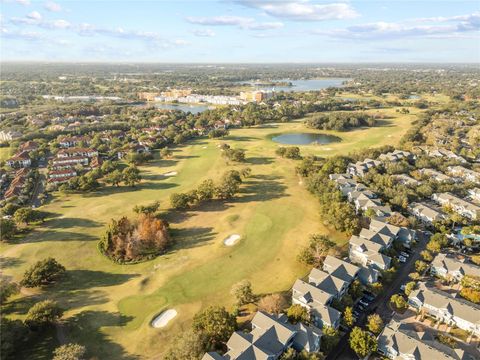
241	31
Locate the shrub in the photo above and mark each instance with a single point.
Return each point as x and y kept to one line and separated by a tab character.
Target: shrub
42	273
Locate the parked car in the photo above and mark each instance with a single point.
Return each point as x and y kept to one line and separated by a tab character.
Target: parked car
369	296
403	287
402	259
363	302
404	254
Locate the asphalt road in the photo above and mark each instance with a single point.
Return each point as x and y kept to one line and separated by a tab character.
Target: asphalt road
380	304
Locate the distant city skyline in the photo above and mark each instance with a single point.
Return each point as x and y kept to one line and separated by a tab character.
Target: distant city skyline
241	31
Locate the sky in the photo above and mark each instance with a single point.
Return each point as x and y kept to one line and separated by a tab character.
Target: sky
241	31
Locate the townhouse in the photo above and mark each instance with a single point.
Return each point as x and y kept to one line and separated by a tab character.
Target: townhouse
464	173
460	206
443	307
406	180
316	302
77	152
399	233
20	160
368	254
398	341
360	168
474	194
447	154
270	337
340	269
426	213
435	175
396	156
60	176
452	268
17	184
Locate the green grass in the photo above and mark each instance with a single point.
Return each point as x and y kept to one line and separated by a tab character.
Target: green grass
110	306
5	153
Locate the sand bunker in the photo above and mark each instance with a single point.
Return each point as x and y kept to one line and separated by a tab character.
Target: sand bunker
231	240
171	173
163	319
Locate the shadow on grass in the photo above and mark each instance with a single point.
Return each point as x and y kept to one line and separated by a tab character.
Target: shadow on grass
259	160
192	237
52	235
65	223
85	328
9	262
261	188
84	279
240	138
40	346
173	216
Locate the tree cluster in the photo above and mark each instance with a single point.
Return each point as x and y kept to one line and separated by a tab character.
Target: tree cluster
341	121
132	241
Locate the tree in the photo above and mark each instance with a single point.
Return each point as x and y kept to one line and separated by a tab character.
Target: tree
297	313
471	295
23	216
356	289
206	190
70	352
43	313
376	288
409	287
131	175
190	345
426	255
114	178
348	316
399	302
42	273
229	185
179	201
7	289
420	266
414	276
7	229
273	304
216	324
362	342
330	339
147	209
316	250
242	292
166	153
375	324
437	242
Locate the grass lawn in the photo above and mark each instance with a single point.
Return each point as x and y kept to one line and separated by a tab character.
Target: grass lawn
5	153
110	307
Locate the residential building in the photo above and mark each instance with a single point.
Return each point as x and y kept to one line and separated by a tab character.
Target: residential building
435	175
316	302
443	307
270	337
330	284
360	168
474	194
399	233
20	160
426	213
452	268
367	253
460	206
340	269
399	342
445	154
76	152
464	173
396	155
9	135
406	180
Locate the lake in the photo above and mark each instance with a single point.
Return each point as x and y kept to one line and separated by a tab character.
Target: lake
305	139
303	85
194	109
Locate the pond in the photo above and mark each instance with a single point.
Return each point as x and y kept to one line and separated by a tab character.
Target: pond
302	85
194	109
305	139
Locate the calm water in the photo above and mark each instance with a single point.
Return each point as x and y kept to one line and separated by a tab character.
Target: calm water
194	109
304	85
305	139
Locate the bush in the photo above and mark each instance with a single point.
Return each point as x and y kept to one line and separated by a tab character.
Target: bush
70	352
43	313
297	313
44	272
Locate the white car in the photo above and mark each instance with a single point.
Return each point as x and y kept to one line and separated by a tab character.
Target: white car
403	287
404	254
402	259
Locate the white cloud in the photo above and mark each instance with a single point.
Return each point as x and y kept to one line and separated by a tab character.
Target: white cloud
52	6
302	10
35	15
204	32
23	2
239	21
220	20
455	26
